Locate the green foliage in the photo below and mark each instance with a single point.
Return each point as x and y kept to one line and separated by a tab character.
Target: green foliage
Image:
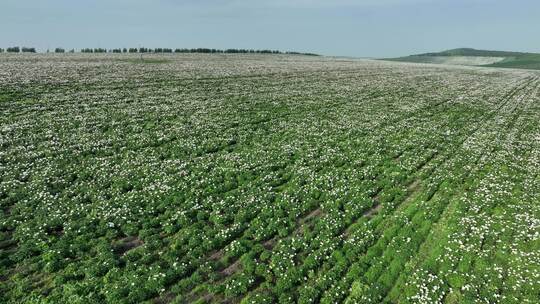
265	179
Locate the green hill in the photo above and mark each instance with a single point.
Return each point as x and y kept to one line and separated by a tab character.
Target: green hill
525	61
474	52
473	57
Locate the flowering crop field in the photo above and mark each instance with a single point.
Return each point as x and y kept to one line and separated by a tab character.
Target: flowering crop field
266	179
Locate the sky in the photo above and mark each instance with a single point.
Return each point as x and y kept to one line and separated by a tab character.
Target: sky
361	28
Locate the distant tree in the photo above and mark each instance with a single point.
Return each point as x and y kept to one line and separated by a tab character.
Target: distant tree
185	50
1	50
72	51
28	50
13	49
59	50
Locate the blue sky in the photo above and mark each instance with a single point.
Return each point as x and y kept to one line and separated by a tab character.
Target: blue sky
363	28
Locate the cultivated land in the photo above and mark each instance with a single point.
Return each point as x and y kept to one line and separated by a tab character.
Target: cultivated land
265	179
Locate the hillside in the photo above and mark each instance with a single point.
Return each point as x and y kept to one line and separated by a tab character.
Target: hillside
473	57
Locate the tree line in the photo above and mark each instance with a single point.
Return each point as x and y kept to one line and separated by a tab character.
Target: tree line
141	50
16	49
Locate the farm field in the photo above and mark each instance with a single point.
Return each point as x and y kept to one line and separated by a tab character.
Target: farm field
200	178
